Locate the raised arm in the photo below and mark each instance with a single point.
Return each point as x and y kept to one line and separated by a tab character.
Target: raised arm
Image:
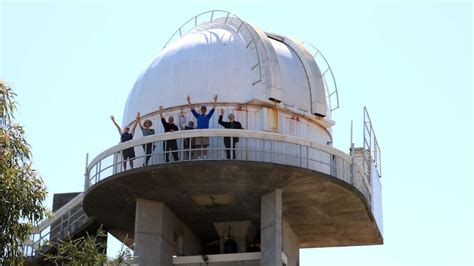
222	123
190	105
215	101
138	120
116	125
161	111
163	120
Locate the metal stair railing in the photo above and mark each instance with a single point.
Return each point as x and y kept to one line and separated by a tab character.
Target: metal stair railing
60	225
371	144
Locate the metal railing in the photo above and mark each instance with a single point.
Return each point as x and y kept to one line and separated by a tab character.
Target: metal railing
251	146
371	145
63	223
331	92
256	146
225	17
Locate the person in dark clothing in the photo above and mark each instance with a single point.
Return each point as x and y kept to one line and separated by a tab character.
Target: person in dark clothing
146	131
227	140
189	143
169	145
125	135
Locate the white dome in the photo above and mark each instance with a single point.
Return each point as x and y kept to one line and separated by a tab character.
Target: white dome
238	65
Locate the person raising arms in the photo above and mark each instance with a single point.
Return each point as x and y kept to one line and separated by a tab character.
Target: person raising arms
202	123
233	124
146	131
125	135
169	145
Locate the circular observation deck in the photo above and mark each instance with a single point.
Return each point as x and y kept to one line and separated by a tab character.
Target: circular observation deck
325	204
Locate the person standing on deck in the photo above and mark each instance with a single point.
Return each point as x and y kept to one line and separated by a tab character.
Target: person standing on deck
125	135
202	122
227	140
169	145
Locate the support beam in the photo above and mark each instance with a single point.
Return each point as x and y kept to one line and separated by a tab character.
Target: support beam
291	243
154	227
271	229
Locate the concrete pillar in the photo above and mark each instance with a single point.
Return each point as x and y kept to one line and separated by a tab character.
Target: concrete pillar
192	244
271	229
187	243
291	245
154	227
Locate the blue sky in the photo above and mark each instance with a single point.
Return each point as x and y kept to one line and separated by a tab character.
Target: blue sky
73	64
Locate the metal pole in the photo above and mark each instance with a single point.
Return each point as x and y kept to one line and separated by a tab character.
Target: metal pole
352	156
86	174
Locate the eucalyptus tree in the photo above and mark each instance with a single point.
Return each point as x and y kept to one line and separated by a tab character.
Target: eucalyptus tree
22	191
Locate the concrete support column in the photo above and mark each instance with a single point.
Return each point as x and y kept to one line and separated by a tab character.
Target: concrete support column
154	228
271	229
291	245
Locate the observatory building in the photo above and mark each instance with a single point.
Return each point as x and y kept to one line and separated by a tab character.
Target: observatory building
281	187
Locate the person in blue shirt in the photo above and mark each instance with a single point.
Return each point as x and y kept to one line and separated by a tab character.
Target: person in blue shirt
202	120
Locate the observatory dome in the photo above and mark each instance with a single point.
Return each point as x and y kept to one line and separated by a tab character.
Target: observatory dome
280	177
235	60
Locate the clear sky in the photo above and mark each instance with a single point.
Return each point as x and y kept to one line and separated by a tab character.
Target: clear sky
73	64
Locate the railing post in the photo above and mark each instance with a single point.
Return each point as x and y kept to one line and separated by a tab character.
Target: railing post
86	174
231	148
60	226
180	150
300	156
99	167
190	147
307	157
352	152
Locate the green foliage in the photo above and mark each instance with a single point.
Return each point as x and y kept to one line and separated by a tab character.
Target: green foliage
89	250
124	257
22	191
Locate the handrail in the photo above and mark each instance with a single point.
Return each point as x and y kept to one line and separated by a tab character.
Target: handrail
214	133
195	23
257	146
70	213
57	214
371	144
329	69
227	15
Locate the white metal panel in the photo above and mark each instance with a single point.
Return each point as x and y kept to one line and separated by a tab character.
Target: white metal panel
251	118
201	65
215	58
315	77
294	82
376	197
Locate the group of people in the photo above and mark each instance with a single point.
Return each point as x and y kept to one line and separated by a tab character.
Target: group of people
171	146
